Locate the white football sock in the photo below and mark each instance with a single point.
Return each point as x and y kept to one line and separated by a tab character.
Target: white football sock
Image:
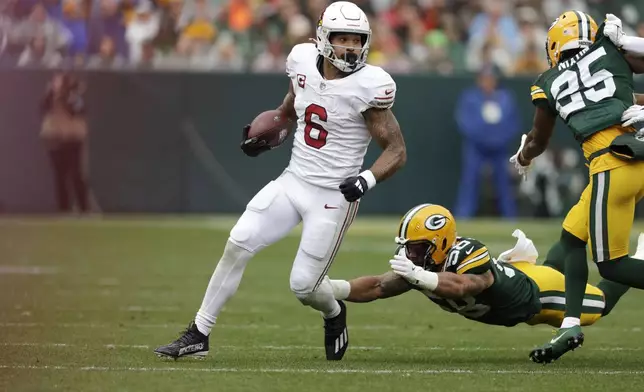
223	285
570	322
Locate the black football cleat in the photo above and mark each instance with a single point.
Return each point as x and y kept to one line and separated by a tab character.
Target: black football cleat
336	335
191	343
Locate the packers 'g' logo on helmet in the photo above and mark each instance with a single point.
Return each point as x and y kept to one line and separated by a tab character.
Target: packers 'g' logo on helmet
435	222
571	30
427	232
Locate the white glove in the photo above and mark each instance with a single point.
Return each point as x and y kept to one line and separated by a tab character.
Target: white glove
413	274
522	170
613	29
632	115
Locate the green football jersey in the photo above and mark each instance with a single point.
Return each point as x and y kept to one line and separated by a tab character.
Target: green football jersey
589	91
513	297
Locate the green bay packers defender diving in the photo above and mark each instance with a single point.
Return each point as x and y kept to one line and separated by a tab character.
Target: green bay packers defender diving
459	275
589	86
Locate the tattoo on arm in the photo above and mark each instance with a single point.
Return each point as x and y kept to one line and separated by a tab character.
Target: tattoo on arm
384	128
392	285
288	105
371	288
454	286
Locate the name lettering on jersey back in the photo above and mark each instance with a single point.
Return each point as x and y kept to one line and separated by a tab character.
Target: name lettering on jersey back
570	62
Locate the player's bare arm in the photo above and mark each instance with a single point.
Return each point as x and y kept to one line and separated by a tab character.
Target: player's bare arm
288	104
371	288
455	286
636	63
639	99
539	136
384	128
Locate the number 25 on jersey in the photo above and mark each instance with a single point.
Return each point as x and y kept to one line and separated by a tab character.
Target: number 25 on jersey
570	99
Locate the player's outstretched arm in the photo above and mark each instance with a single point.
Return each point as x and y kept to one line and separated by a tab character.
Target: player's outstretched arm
455	286
288	105
538	138
444	284
370	288
384	128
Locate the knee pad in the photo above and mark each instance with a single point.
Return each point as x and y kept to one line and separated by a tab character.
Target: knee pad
305	298
308	294
302	288
321	295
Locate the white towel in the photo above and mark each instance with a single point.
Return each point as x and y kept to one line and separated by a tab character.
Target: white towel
523	251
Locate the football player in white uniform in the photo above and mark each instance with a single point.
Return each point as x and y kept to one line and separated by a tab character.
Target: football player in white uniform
340	103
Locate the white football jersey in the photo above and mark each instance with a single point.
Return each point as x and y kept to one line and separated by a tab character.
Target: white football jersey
331	139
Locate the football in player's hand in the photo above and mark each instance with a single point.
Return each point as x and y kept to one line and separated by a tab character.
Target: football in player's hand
271	126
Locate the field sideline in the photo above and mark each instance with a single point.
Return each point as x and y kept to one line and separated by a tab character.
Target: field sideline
83	301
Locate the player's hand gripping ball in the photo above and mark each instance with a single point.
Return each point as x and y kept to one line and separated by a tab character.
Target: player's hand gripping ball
267	131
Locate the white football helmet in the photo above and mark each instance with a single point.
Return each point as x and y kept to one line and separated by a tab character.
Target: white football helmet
343	17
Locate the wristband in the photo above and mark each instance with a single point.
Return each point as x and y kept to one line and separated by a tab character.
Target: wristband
427	280
341	289
369	177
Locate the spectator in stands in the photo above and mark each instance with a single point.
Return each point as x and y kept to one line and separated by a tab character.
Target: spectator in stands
488	119
148	56
272	58
169	27
142	29
108	19
493	33
225	56
533	34
439	52
194	50
107	56
39	54
75	20
298	26
64	132
553	8
39	24
531	62
388	52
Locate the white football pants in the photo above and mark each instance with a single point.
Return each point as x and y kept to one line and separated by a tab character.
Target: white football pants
279	207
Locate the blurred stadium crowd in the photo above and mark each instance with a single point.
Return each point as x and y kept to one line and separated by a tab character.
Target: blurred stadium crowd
409	36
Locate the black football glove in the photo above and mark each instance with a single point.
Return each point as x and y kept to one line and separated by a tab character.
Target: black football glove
354	188
253	146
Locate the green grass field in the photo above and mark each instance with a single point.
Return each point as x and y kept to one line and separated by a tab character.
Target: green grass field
83	302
